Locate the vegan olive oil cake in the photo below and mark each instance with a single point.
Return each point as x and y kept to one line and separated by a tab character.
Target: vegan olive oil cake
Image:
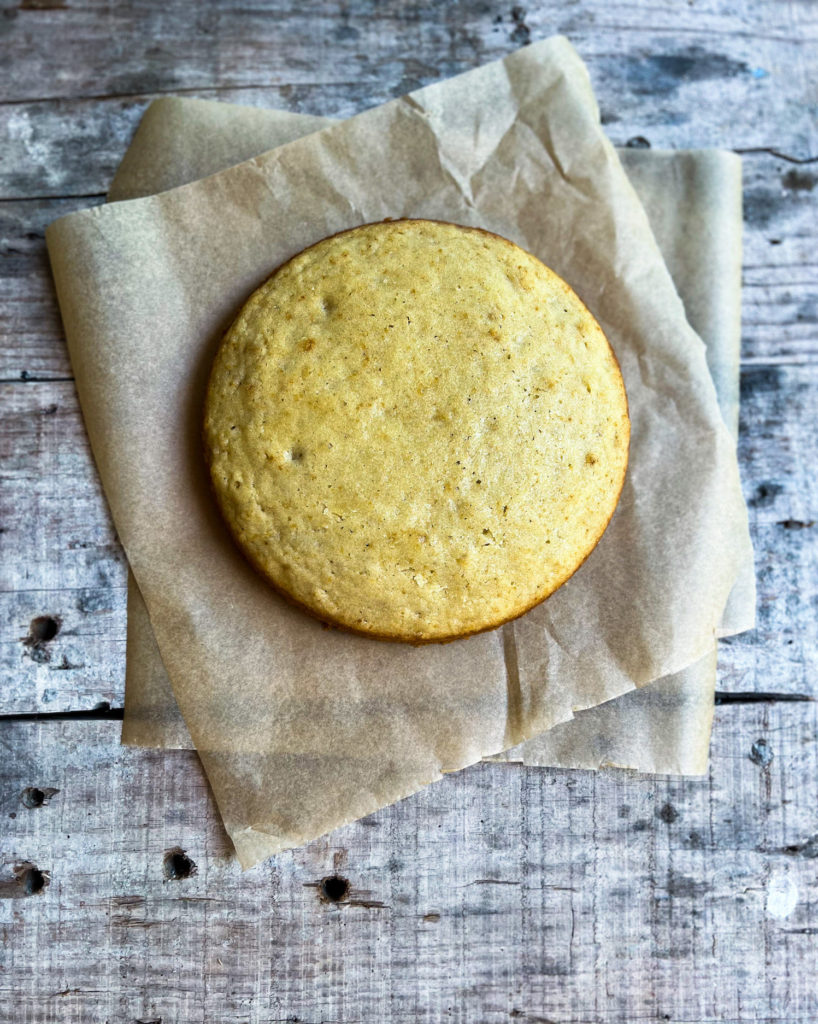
416	430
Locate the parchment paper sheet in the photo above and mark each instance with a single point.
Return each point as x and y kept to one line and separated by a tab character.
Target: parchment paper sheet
693	202
301	728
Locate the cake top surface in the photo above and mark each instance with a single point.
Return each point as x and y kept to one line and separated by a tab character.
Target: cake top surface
416	430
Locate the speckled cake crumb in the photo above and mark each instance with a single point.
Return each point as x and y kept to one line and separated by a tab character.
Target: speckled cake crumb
416	430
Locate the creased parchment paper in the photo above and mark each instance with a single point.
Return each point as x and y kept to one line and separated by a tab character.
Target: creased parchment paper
301	728
693	203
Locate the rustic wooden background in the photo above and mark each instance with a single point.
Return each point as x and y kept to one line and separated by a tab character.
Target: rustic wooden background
501	893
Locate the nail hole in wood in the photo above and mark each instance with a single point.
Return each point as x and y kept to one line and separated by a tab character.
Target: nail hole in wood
33	880
667	813
761	753
177	865
28	880
33	796
334	888
43	629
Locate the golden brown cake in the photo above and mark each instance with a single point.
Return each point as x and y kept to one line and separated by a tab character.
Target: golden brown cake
416	430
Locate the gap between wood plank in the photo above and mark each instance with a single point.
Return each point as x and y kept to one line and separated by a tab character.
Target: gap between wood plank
106	713
183	91
777	154
26	378
48	199
724	697
103	713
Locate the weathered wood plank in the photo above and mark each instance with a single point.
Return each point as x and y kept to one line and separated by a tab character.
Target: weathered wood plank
73	147
780	276
32	345
500	893
78	668
56	531
714	76
125	49
59	559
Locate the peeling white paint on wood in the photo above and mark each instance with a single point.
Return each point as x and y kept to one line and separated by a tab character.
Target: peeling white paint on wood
782	895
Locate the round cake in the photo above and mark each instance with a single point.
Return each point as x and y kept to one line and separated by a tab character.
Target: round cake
416	430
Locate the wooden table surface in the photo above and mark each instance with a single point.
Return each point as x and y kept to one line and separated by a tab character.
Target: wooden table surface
502	893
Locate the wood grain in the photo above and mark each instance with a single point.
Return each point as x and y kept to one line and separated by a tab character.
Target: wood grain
656	69
501	893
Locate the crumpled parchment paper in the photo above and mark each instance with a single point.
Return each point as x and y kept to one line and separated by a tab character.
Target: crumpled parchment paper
693	203
301	728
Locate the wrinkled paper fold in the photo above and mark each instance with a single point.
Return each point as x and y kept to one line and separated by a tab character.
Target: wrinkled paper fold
302	728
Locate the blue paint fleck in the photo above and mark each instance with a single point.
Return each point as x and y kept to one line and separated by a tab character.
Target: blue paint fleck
662	74
760	73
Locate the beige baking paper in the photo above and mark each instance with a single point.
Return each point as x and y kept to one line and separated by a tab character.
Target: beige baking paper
693	202
663	727
301	728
